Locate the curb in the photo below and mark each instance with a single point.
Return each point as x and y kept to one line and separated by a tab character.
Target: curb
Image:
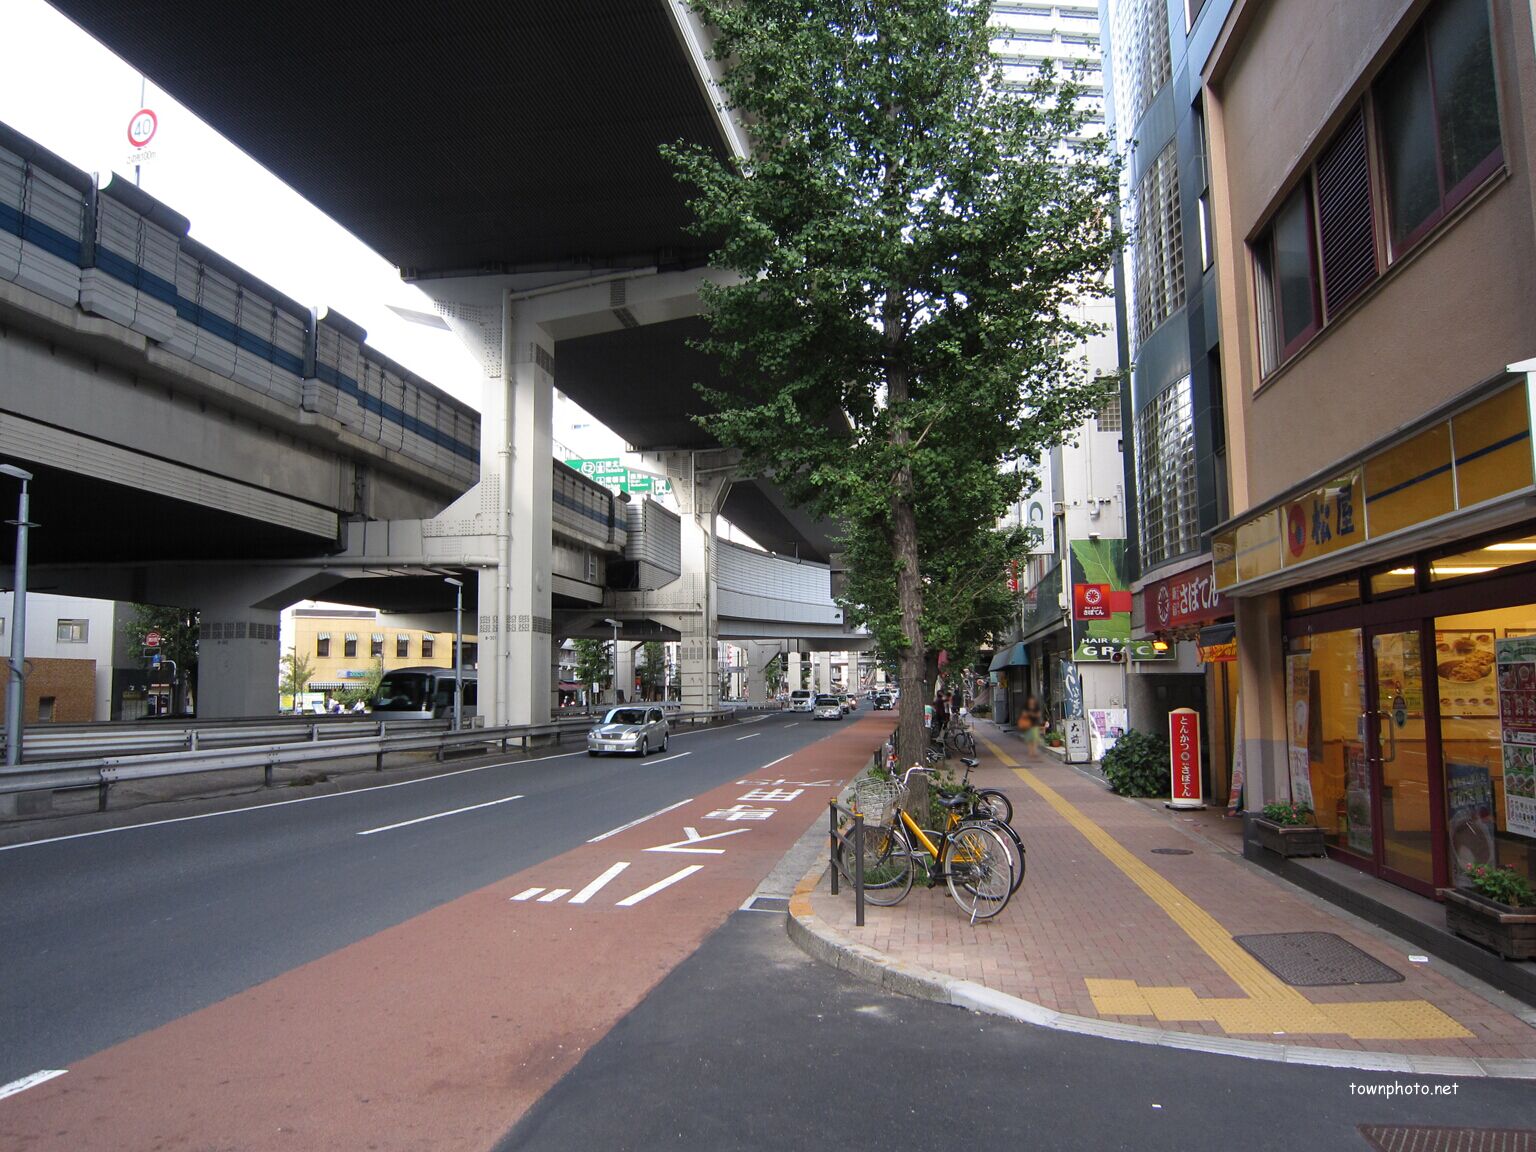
833	948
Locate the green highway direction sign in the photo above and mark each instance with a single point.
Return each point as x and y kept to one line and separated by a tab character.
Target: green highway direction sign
610	472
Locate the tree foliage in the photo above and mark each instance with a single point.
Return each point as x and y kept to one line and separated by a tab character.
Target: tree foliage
913	240
592	665
365	689
651	669
296	671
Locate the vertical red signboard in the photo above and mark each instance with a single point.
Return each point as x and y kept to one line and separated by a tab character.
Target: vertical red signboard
1184	758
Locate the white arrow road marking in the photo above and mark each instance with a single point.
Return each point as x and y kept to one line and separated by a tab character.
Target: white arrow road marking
593	888
527	894
42	1077
693	837
748	736
438	815
631	901
636	823
552	895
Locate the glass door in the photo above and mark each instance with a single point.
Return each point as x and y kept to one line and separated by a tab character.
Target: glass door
1401	777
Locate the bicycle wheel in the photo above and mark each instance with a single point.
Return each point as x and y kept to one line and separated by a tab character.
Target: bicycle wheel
888	864
997	805
1011	841
965	743
978	870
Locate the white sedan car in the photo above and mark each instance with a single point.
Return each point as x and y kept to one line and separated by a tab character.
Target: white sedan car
635	729
828	708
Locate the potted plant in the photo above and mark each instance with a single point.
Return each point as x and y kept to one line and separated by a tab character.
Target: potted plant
1287	828
1499	912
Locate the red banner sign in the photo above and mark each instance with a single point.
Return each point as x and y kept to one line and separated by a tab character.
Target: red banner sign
1188	598
1092	602
1184	758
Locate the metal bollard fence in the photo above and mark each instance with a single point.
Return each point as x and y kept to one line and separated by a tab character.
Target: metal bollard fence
857	842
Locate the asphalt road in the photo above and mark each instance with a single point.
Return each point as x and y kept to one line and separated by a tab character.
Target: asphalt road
750	1044
106	936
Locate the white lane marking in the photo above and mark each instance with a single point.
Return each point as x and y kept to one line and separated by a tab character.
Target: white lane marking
771	763
283	803
693	837
527	894
593	888
664	759
792	723
637	823
752	720
748	736
439	815
31	1081
631	901
552	895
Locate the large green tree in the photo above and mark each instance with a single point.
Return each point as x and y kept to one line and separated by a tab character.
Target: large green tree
179	630
652	669
913	239
592	664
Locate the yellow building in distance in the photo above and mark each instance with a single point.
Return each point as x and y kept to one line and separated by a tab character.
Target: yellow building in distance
342	645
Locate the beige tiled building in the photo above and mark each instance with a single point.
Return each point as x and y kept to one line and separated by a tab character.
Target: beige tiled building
1375	236
342	644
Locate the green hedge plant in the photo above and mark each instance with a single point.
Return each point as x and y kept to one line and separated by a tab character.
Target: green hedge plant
1138	764
1288	813
1504	885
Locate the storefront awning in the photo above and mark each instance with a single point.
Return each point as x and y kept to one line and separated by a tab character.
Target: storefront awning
327	686
1014	656
1218	643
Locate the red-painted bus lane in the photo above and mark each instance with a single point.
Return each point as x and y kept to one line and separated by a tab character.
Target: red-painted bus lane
441	1031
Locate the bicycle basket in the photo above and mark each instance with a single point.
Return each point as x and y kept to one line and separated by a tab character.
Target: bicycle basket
877	800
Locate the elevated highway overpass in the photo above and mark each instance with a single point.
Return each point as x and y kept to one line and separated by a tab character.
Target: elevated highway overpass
537	212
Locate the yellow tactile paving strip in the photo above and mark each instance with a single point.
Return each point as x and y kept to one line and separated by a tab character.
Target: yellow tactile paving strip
1270	1005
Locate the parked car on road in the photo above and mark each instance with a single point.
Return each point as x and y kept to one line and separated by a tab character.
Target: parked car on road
884	702
828	708
802	700
637	730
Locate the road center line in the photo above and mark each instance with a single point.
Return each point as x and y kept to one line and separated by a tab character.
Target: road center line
771	763
593	888
792	723
748	736
631	901
31	1081
642	820
439	815
676	756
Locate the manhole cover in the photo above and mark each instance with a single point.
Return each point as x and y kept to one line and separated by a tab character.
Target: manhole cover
774	904
1316	959
1393	1139
1173	851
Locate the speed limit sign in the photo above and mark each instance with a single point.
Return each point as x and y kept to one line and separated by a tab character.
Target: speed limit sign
141	129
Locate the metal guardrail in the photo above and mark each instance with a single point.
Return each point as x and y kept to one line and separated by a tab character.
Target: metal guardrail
103	771
81	741
856	842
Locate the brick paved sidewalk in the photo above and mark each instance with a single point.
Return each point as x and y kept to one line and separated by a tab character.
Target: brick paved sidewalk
1106	928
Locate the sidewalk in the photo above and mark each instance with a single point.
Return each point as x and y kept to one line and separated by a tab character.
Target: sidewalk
1111	936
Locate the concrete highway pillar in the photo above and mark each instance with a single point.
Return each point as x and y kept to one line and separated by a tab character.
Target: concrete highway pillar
795	671
700	481
823	665
516	444
624	681
757	657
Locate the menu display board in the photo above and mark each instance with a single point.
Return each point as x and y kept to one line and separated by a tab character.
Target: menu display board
1298	693
1464	668
1517	731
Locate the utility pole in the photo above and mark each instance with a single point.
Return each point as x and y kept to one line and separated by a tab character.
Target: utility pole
13	687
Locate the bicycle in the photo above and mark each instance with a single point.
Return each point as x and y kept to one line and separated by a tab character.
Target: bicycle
991	802
972	859
988	806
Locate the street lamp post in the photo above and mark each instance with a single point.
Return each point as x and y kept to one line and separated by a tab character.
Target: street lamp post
458	651
13	687
613	660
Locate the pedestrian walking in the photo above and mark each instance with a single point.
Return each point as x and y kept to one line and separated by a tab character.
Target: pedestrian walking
940	716
1031	723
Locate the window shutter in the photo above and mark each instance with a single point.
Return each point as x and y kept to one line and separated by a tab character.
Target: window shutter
1345	217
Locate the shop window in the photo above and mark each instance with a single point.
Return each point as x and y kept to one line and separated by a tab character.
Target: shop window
1480	561
1390	581
428	644
323	645
1485	673
376	644
349	646
1285	267
1437	111
1323	596
1326	765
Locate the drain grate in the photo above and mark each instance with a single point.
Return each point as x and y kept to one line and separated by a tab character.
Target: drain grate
1173	851
1316	959
1386	1138
770	904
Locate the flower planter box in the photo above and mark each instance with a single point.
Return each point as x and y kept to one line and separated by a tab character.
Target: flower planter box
1511	932
1289	839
